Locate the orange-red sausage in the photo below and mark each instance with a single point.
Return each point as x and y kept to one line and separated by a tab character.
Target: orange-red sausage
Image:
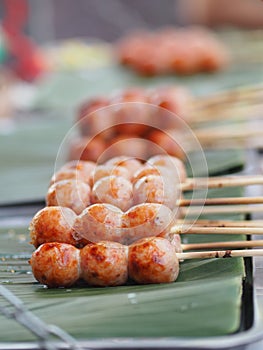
100	222
53	224
89	149
131	111
69	193
104	264
107	170
94	116
130	163
76	169
153	260
115	190
175	166
56	264
144	220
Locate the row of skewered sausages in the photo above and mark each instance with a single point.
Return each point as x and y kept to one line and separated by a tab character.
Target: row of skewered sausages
100	243
173	50
122	182
70	217
135	122
106	263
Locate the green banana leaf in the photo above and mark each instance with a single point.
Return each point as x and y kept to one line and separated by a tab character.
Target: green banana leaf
205	301
63	90
28	156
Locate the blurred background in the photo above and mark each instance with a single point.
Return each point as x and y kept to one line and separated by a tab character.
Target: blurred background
109	20
57	54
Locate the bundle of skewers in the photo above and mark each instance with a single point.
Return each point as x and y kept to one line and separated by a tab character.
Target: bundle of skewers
241	108
244	102
141	122
94	229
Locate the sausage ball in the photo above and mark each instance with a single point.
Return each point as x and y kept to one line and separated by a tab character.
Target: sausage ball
153	260
53	224
56	264
104	264
69	193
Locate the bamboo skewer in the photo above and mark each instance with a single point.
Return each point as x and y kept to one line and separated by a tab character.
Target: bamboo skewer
247	94
222	223
228	132
229	100
250	93
218	245
220	254
226	107
217	209
234	144
220	205
243	104
220	182
218	139
233	113
183	229
220	201
244	107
